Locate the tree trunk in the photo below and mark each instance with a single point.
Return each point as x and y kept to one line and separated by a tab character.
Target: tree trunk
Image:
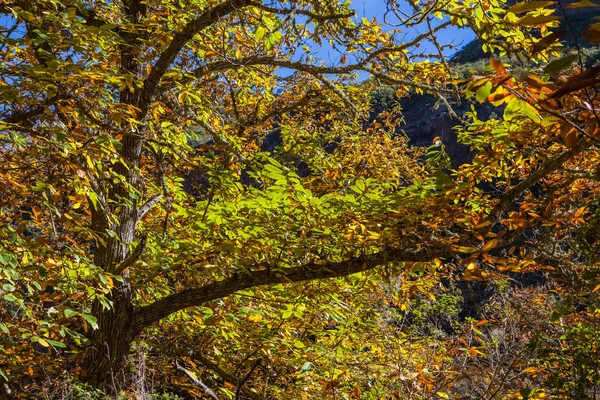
104	362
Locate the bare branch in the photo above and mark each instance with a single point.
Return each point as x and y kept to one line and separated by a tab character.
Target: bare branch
133	257
240	385
227	377
339	92
148	205
197	381
546	168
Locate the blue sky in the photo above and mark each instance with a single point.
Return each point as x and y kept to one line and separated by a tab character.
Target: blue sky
377	8
370	9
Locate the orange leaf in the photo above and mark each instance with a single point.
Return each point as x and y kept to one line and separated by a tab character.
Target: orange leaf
547	41
592	35
498	67
570	139
587	78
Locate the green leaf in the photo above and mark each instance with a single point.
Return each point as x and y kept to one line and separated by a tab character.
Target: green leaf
5	258
54	343
307	366
359	187
560	64
60	135
484	92
260	33
525	393
69	312
107	27
7	287
10	297
93	321
3	328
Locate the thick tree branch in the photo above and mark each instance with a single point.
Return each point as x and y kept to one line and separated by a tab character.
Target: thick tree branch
160	309
25	118
314	70
208	17
361	65
232	63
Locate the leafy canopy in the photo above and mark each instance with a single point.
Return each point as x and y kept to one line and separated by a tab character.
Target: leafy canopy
143	203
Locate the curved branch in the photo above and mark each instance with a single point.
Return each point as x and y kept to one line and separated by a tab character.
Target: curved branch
249	61
179	41
306	13
152	313
548	167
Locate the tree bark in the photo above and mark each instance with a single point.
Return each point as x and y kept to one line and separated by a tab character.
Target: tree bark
109	344
105	358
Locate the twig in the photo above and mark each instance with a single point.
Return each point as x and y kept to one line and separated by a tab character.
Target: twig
227	377
133	257
197	381
245	378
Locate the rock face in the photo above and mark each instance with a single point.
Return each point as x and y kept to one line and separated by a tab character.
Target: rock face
424	119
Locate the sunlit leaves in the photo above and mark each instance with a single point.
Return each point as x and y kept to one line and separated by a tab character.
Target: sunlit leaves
122	133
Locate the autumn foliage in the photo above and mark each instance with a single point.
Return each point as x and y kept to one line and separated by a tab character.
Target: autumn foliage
152	241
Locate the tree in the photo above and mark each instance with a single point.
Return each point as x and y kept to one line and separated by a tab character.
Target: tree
111	109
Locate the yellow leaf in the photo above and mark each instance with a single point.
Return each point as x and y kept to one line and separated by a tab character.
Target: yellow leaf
582	4
259	34
43	342
530	370
532	5
596	288
255	318
530	20
490	245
